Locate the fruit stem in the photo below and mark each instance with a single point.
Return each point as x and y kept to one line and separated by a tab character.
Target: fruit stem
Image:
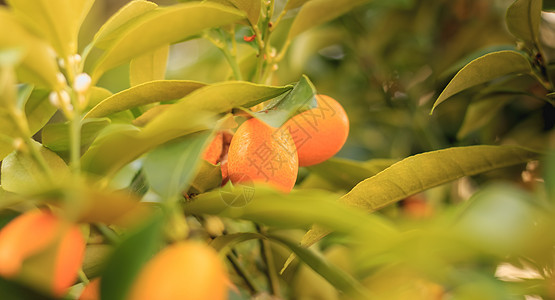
268	258
110	235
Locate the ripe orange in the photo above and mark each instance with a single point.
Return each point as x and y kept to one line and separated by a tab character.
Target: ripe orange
213	152
261	153
34	232
185	270
91	290
319	133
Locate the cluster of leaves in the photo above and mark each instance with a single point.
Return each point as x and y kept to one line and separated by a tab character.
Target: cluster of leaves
96	155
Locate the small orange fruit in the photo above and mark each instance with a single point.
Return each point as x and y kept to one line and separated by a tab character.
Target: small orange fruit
185	270
319	133
261	153
34	232
91	290
213	152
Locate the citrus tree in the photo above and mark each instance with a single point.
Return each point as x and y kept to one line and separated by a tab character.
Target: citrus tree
186	151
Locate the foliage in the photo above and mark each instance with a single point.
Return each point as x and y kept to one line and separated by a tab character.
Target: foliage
446	179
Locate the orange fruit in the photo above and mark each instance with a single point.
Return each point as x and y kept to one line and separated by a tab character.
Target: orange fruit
91	290
319	133
261	153
185	270
35	232
214	150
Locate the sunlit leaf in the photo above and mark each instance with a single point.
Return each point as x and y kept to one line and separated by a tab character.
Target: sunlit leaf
22	174
38	110
149	66
195	112
209	176
38	65
121	20
129	257
170	168
161	27
57	21
251	8
292	4
317	12
142	94
484	69
523	20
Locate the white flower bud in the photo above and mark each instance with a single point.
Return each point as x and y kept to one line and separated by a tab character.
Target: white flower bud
61	79
82	83
66	99
54	100
18	144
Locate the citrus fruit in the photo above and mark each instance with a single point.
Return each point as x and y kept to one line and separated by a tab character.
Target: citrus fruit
185	270
91	290
213	152
261	153
319	133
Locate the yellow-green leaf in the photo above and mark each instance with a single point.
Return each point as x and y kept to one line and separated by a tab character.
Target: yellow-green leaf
484	69
292	4
161	27
149	67
57	21
523	20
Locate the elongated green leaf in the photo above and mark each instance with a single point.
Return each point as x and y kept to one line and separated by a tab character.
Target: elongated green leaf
280	110
38	65
164	26
317	12
484	69
549	175
523	20
58	21
292	4
170	168
146	93
38	110
149	67
193	113
21	174
479	113
121	20
56	136
251	8
129	257
337	277
423	171
208	177
225	243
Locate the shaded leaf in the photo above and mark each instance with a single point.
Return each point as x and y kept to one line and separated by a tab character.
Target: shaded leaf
480	113
38	65
149	67
484	69
146	93
56	136
225	243
121	20
170	168
58	21
300	98
209	176
21	174
129	257
523	20
193	113
317	12
292	4
161	27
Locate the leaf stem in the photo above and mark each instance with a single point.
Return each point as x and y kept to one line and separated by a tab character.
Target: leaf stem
267	256
244	274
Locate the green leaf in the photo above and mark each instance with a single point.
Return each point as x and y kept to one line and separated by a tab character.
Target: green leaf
484	69
57	21
251	8
523	20
56	136
195	112
142	94
38	65
23	93
38	110
209	176
300	98
317	12
423	171
549	175
121	20
129	257
170	168
225	243
15	291
334	275
149	67
161	27
479	113
292	4
21	174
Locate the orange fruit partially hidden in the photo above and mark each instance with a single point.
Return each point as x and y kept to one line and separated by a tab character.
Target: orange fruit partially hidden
261	153
185	270
319	133
213	152
91	290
